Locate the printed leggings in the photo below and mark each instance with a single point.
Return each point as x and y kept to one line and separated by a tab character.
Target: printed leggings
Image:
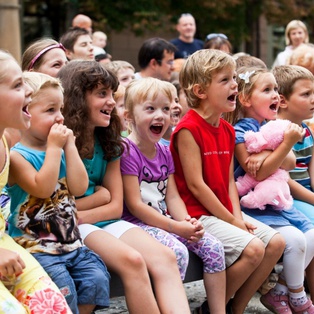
209	249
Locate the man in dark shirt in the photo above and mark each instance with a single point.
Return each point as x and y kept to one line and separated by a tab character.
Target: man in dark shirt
186	43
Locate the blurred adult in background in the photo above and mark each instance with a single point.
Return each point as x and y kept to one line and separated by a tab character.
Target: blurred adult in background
83	21
296	33
186	44
156	58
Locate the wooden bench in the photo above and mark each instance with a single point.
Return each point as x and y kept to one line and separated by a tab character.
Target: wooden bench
193	273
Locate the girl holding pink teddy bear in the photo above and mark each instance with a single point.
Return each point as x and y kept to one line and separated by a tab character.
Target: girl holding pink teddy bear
258	101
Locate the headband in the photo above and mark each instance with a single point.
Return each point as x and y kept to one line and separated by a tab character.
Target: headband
40	53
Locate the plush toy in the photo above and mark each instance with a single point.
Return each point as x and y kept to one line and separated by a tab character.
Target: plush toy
274	190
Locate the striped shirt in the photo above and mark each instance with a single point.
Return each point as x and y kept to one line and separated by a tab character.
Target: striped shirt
303	152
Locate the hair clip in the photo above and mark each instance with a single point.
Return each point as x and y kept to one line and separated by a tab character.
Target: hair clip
246	76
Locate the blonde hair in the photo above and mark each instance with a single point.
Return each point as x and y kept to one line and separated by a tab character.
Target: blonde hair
117	65
199	69
293	25
119	93
303	56
287	75
39	81
245	90
139	91
4	57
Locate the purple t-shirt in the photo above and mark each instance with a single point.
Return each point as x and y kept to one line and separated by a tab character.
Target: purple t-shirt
152	176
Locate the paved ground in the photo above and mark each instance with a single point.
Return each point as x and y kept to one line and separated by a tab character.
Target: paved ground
196	295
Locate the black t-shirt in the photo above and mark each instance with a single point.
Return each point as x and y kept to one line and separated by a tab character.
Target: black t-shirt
186	49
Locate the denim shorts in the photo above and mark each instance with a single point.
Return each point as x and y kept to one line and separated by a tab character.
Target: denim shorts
80	275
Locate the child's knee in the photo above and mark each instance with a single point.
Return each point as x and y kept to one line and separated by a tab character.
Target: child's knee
254	251
276	245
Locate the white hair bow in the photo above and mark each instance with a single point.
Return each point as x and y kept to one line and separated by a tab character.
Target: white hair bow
246	76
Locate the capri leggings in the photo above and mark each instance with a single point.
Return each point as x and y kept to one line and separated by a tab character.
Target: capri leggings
299	252
209	249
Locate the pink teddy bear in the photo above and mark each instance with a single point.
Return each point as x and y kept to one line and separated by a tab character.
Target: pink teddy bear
274	190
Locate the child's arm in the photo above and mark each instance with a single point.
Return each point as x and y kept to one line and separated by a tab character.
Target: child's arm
10	263
150	216
234	197
254	161
95	208
299	192
40	183
190	157
76	175
281	157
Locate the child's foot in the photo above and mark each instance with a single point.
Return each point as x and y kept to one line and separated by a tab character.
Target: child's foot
277	304
306	308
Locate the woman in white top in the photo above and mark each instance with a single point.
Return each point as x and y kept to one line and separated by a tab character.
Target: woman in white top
296	33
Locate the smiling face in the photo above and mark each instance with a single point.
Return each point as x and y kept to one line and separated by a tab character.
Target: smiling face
46	111
53	61
101	103
151	119
264	101
186	28
297	36
165	68
15	97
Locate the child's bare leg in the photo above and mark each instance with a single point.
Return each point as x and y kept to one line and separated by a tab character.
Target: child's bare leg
162	266
129	265
86	308
272	254
240	271
215	286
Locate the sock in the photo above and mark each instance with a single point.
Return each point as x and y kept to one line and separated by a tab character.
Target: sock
298	298
279	289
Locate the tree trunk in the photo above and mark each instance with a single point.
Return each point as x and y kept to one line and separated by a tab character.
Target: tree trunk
10	32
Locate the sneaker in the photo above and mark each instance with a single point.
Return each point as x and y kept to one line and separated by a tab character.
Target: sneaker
278	304
307	308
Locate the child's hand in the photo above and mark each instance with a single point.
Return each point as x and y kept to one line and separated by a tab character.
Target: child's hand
70	139
193	232
58	135
10	263
244	225
293	134
255	161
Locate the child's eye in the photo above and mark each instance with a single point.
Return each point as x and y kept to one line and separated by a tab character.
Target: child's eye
51	109
166	108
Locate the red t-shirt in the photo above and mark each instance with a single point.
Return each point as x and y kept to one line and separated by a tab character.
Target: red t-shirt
217	146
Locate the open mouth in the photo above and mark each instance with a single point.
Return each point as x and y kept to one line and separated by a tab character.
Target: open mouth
25	110
106	112
156	129
273	107
232	98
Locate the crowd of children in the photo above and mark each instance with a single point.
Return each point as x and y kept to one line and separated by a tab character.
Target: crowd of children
111	169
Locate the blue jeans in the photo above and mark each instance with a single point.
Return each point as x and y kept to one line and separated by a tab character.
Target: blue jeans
81	276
